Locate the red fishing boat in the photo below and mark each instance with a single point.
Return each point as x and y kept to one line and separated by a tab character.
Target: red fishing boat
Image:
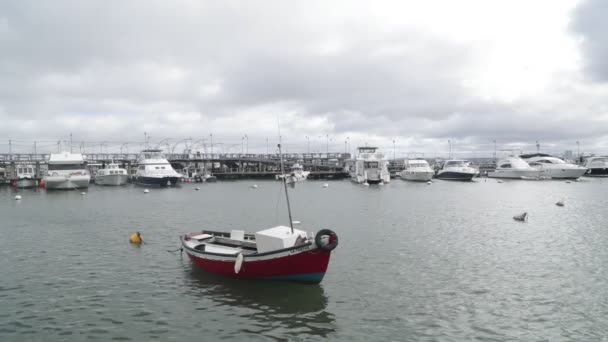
280	253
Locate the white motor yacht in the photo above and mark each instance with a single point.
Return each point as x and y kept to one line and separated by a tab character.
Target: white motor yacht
417	170
370	167
26	177
66	171
515	168
457	169
553	167
112	174
598	167
154	169
297	174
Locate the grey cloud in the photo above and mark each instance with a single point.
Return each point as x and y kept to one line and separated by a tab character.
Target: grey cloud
589	21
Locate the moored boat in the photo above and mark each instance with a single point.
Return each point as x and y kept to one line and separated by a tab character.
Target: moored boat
458	170
277	253
515	168
598	167
370	167
66	171
155	170
417	170
112	174
26	177
554	167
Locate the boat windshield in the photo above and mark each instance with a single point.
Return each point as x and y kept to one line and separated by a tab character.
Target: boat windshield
457	163
551	161
66	166
371	165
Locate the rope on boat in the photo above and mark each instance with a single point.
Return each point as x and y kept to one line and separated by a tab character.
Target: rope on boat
175	250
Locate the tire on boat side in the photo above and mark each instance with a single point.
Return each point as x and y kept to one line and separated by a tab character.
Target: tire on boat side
333	238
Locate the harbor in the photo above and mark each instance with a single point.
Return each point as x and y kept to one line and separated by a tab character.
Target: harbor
426	262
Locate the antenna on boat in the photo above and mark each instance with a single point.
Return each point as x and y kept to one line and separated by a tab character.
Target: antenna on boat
284	178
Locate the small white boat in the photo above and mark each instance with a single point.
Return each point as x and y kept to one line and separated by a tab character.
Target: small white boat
553	167
26	177
112	174
67	171
297	174
417	170
154	169
370	167
458	170
515	168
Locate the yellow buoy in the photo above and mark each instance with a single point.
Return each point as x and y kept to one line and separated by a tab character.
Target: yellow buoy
136	238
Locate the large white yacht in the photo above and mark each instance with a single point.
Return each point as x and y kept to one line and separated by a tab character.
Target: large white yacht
515	168
554	167
154	169
457	169
370	167
417	170
297	174
598	167
26	177
66	171
112	174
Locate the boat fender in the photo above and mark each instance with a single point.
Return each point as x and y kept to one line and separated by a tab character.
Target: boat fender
333	240
238	263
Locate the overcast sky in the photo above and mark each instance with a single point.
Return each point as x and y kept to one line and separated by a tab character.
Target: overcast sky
416	72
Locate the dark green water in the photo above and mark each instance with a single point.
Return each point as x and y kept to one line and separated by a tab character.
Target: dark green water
444	262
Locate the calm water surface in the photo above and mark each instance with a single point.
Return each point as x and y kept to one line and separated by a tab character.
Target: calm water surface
444	262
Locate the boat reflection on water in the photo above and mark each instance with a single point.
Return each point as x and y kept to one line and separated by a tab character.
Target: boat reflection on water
276	307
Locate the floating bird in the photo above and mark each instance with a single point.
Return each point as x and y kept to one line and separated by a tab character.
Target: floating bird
136	238
17	197
429	182
325	185
254	186
146	191
197	188
522	217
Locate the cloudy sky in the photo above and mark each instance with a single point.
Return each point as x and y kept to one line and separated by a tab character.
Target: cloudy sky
419	73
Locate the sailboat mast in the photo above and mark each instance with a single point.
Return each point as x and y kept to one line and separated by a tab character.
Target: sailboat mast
285	186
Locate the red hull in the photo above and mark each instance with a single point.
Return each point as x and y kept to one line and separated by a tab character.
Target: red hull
307	266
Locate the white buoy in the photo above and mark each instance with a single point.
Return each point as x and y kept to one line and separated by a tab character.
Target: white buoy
500	181
522	217
146	191
366	184
429	182
325	185
17	197
254	186
83	193
197	188
296	222
381	183
578	179
238	263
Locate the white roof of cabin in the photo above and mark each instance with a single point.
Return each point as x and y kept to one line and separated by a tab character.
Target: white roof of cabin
66	158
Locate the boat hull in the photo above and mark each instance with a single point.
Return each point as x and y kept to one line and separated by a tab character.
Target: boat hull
301	264
112	179
156	181
572	173
516	174
25	183
597	172
456	176
67	183
417	176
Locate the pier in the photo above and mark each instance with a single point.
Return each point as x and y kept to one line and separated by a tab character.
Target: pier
221	165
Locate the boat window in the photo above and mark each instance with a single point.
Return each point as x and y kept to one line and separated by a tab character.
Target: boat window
156	167
66	167
505	166
162	167
141	167
460	163
534	164
371	165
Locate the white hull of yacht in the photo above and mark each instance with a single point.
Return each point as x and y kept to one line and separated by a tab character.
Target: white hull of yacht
517	174
115	179
573	173
67	183
417	176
